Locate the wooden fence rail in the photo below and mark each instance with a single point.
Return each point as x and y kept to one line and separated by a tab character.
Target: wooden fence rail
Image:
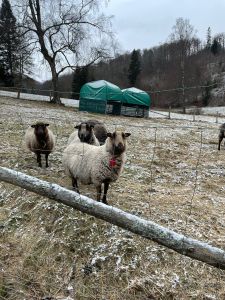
186	246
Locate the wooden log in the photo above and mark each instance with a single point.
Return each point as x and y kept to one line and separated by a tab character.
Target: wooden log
186	246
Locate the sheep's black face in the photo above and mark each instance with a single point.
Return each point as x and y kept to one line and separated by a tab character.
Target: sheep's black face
84	132
40	130
118	142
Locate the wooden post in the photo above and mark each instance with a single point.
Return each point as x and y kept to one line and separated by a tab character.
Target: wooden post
194	116
18	93
217	115
169	112
186	246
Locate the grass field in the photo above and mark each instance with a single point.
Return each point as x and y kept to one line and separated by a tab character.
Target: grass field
174	176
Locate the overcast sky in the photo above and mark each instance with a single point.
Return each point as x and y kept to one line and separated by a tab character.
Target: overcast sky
143	24
140	24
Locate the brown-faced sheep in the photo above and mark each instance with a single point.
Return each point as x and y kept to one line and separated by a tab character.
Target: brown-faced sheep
40	140
221	134
85	134
98	165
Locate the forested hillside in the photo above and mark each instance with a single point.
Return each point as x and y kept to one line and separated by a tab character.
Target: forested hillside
192	70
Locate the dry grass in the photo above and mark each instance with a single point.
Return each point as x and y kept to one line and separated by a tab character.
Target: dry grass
48	250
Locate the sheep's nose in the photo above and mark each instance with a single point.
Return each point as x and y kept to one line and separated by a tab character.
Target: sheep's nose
120	146
82	137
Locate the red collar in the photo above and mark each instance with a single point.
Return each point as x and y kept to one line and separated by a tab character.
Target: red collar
112	162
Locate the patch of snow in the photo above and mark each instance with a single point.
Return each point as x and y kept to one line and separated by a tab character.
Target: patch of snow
35	97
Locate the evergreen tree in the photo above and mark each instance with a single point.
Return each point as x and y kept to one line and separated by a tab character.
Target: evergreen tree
2	75
216	47
134	67
208	38
80	77
9	44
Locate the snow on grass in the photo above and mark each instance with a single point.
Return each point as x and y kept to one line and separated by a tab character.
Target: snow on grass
166	179
35	97
212	111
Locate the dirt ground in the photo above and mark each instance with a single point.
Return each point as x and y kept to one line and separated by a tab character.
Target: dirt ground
174	176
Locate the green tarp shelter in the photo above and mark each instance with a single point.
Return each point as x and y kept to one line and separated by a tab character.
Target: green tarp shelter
136	97
135	102
100	96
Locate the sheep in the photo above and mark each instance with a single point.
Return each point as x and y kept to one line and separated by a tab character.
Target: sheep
40	140
221	134
100	130
85	134
98	165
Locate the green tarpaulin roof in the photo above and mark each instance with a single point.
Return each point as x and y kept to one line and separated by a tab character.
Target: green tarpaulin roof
101	90
136	97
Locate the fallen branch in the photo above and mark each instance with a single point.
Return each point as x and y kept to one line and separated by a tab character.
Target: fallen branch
193	248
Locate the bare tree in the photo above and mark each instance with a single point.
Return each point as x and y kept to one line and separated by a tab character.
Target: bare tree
183	34
68	33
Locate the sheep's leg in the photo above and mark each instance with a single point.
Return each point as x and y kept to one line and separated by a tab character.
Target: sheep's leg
106	186
220	140
99	191
75	185
46	159
39	159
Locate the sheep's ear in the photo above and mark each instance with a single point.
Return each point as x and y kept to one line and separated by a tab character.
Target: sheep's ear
33	126
77	126
109	134
46	125
127	134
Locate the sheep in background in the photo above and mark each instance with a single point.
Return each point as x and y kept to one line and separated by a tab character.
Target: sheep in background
100	130
221	134
85	134
40	140
98	165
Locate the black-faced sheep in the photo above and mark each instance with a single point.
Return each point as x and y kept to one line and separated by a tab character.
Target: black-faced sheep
40	140
221	134
85	134
98	165
100	130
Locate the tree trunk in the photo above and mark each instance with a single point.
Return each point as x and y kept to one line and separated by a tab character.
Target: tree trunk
186	246
183	86
18	93
55	80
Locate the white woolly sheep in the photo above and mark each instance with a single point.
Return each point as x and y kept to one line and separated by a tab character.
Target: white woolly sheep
85	134
98	165
40	140
221	134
